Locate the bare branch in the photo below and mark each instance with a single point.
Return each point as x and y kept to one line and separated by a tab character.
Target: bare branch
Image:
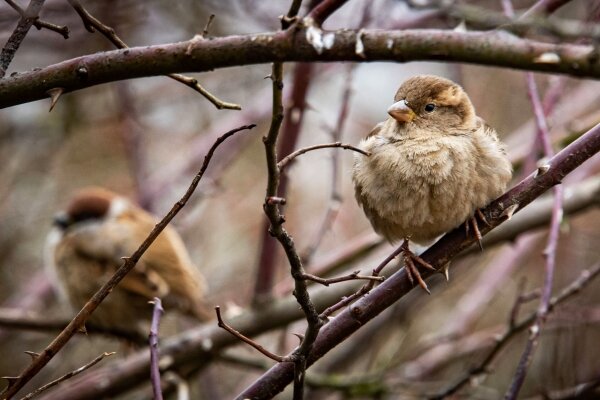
247	340
451	244
543	135
289	158
93	24
63	378
153	344
28	18
353	276
569	291
324	9
77	323
487	48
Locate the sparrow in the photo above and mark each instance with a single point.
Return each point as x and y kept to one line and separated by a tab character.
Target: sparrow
86	246
433	165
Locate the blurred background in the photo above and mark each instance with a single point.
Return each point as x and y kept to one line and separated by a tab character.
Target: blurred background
146	139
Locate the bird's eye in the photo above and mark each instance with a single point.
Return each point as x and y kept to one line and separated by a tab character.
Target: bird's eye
430	107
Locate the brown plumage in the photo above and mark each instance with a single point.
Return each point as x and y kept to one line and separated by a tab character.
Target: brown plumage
84	250
433	165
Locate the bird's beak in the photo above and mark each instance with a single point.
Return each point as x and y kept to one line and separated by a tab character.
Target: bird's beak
401	112
62	220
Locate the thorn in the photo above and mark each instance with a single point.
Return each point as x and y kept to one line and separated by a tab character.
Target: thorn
542	169
11	379
509	211
33	354
299	336
54	94
445	270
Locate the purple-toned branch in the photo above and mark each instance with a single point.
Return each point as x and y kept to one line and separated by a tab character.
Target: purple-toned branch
569	291
69	375
292	125
335	197
40	24
157	312
28	18
486	48
396	286
543	138
324	9
128	264
93	24
289	158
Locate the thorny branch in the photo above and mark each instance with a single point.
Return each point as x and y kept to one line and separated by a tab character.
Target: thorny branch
335	197
63	378
496	48
584	279
93	24
451	244
157	312
292	125
276	229
543	135
78	322
247	340
28	18
289	158
38	23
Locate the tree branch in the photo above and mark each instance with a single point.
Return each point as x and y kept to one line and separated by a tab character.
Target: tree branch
78	322
450	245
486	48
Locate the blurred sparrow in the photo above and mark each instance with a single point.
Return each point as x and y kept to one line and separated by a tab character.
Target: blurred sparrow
87	244
434	163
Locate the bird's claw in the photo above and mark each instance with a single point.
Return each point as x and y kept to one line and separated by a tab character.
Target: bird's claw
411	269
473	222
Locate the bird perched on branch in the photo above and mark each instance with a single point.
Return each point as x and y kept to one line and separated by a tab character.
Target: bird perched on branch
433	164
86	247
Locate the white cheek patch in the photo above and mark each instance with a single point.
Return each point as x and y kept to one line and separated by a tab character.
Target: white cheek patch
117	207
52	241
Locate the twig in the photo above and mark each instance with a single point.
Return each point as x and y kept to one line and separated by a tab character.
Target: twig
93	24
521	299
550	251
335	196
67	376
129	263
38	23
324	9
545	7
28	18
289	158
353	276
276	229
575	287
495	48
211	17
153	344
444	250
483	18
247	340
582	391
364	289
292	126
17	318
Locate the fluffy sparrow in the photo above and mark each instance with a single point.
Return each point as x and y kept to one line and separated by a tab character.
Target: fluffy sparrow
85	248
434	163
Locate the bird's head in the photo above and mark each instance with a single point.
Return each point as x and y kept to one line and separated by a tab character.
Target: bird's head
89	205
432	103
